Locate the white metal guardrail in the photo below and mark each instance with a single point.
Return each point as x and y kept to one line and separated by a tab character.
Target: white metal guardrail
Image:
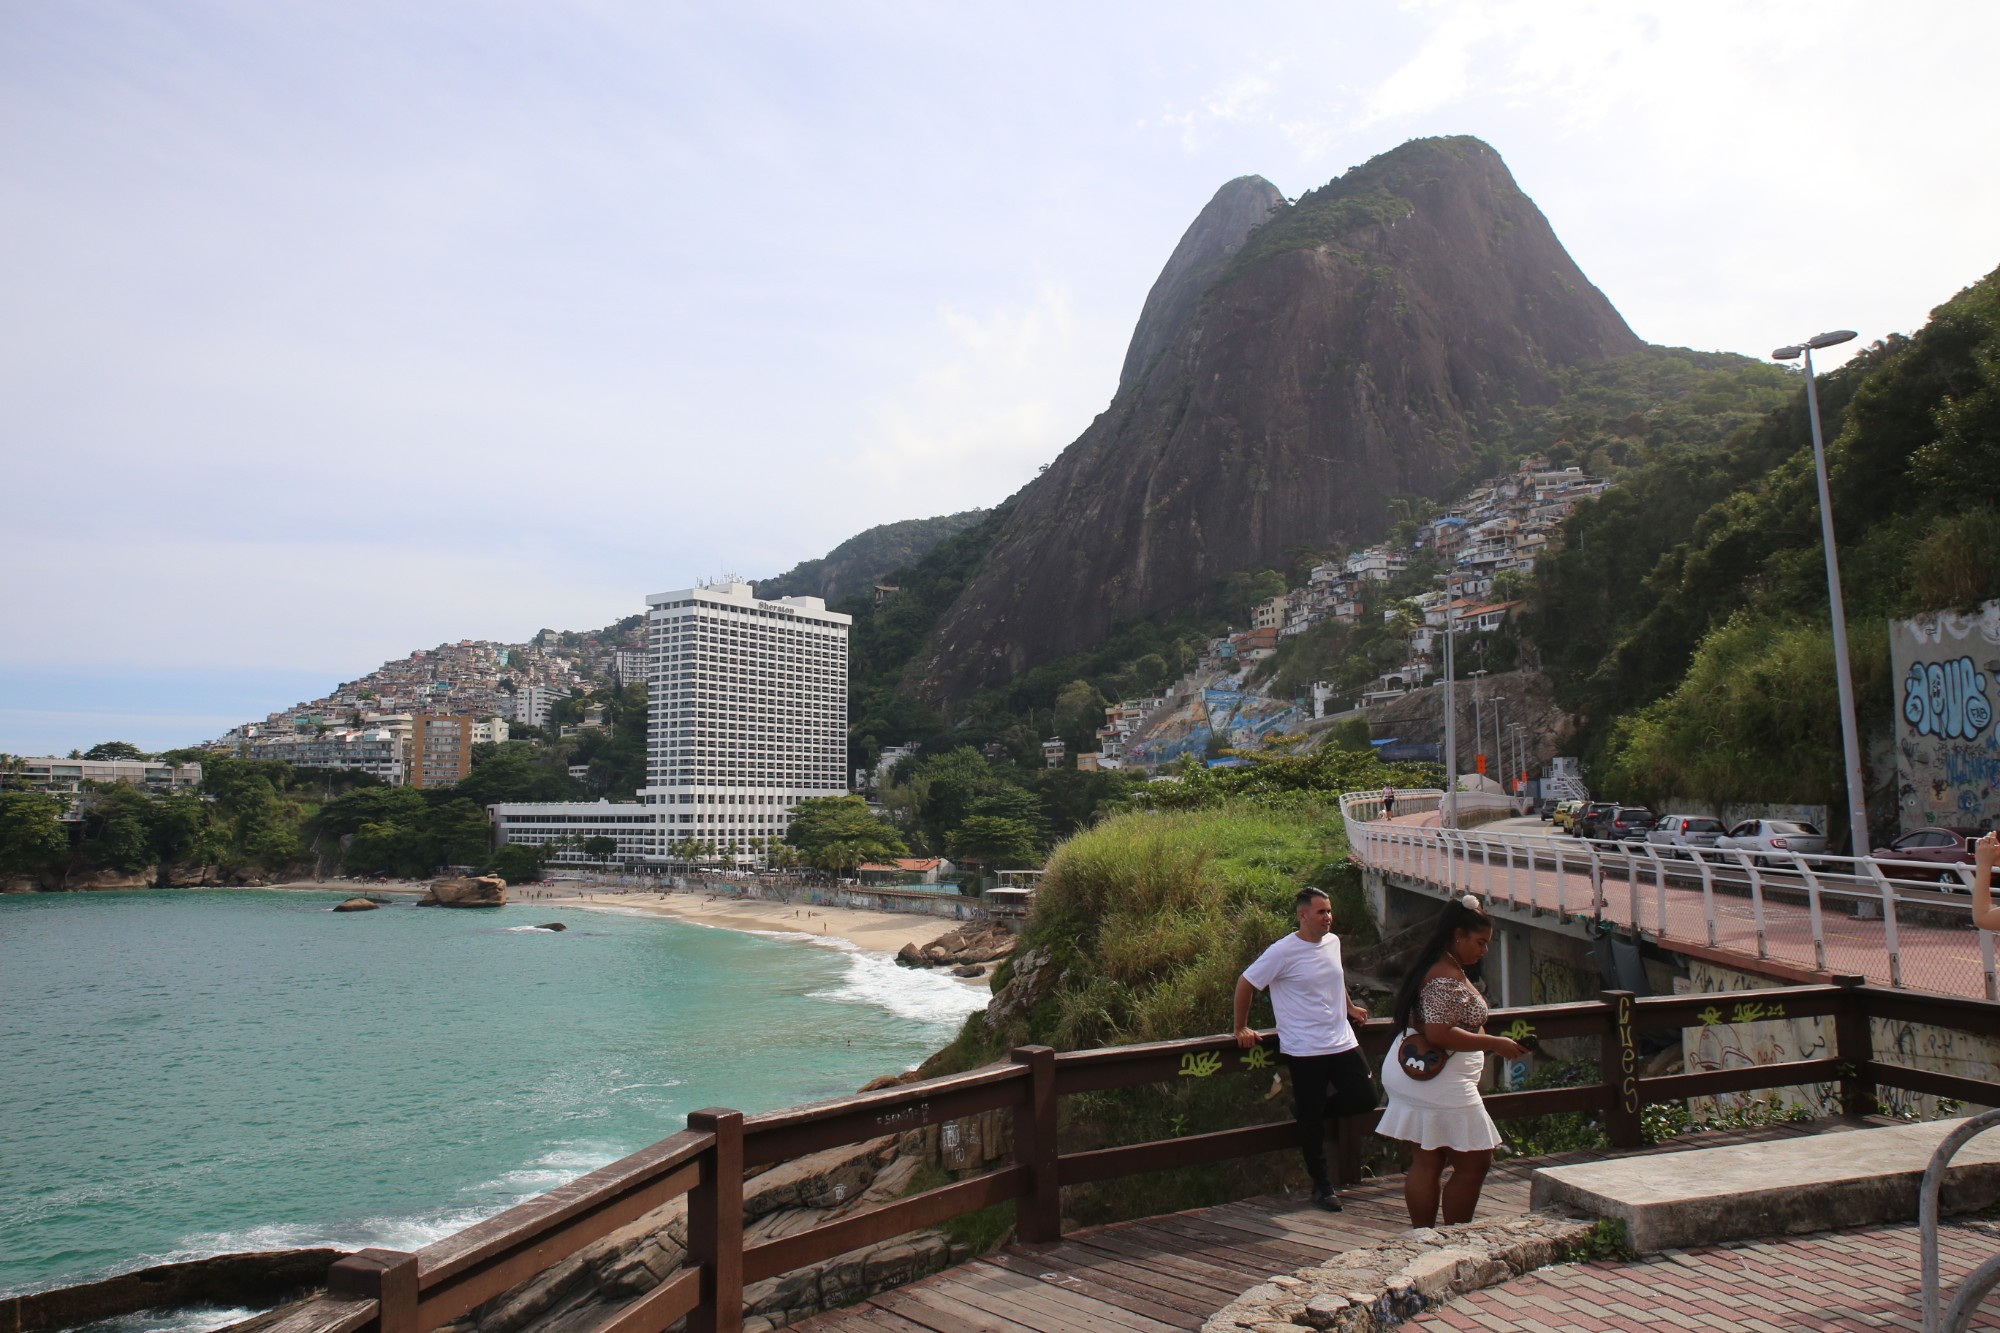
1980	1280
1823	913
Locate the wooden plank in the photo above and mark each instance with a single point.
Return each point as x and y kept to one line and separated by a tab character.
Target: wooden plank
919	1305
1937	1085
857	1319
1256	1251
1082	1168
797	1250
1049	1307
779	1136
1790	1073
1227	1281
1130	1289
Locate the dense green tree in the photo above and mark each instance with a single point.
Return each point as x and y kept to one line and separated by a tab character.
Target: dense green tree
993	841
837	833
114	828
518	863
114	750
32	837
600	848
372	805
519	772
460	833
1079	713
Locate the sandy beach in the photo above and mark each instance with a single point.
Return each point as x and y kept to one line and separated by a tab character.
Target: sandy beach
877	932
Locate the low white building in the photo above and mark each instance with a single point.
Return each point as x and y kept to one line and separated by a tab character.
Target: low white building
51	774
377	751
566	825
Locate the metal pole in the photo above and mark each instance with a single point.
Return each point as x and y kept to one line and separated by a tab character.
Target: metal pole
1449	818
1850	739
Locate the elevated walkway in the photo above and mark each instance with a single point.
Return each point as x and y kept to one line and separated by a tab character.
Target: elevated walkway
1173	1272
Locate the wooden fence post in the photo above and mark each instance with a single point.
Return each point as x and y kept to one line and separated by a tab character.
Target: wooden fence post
1619	1059
1038	1214
715	1224
387	1277
1854	1045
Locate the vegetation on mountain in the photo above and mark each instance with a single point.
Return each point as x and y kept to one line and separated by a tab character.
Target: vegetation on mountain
853	568
1686	617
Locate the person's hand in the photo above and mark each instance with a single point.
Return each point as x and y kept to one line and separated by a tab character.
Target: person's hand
1357	1013
1246	1037
1511	1049
1986	852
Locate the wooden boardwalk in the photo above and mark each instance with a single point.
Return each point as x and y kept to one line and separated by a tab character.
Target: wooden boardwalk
1172	1272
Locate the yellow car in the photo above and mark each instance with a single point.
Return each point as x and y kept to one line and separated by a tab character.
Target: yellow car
1565	815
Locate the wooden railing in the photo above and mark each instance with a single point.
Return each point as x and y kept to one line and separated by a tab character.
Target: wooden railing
387	1291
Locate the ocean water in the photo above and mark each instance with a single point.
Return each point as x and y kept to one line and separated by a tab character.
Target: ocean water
193	1073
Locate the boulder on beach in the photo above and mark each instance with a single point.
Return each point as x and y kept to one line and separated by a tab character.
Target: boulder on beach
910	956
552	925
974	942
968	970
357	905
466	891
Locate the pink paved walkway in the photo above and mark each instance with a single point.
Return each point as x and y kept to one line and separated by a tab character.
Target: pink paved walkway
1936	958
1866	1278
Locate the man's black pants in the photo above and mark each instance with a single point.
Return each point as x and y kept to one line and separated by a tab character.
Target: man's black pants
1323	1085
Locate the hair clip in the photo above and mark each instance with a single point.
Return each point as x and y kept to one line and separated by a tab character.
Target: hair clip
1470	902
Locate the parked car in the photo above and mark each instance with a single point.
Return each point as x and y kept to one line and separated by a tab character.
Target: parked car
1930	847
1566	813
1590	820
1680	832
1767	840
1629	823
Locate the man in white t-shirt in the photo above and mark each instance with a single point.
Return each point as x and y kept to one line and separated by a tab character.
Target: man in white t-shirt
1315	1031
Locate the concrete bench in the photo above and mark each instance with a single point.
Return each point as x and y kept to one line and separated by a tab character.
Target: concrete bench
1817	1183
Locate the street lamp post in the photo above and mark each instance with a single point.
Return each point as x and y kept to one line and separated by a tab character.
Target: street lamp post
1450	819
1850	737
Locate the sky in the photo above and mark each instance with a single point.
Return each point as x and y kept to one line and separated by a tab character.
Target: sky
334	330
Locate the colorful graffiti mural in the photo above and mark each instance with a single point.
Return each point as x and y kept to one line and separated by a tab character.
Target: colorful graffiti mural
1947	750
1242	719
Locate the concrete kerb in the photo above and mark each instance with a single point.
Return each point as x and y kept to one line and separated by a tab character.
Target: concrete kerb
1822	1183
1362	1291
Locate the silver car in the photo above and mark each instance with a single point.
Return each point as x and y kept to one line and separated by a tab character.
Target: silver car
1768	841
1680	832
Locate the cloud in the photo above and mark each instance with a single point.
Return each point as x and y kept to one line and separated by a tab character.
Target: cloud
997	395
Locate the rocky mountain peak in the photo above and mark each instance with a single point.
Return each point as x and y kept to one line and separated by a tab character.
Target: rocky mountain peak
1349	349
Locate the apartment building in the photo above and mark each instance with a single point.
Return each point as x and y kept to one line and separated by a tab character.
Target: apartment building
532	704
748	711
748	717
377	751
61	776
439	752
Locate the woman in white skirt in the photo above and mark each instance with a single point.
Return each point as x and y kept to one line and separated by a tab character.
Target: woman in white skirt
1443	1115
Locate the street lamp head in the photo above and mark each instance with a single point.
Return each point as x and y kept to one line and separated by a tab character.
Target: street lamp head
1832	339
1788	353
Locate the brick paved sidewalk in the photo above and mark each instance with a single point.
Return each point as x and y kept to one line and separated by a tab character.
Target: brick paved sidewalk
1867	1278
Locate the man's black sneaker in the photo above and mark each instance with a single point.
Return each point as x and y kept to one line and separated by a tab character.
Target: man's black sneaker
1324	1197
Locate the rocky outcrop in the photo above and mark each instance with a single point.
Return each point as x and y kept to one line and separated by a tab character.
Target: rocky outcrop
973	944
552	925
356	905
1354	349
1363	1291
480	891
1035	975
262	1278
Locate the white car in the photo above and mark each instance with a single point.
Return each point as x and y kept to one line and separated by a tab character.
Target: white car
1769	840
1680	832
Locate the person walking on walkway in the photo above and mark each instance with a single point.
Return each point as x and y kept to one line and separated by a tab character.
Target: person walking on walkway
1439	1111
1388	803
1315	1032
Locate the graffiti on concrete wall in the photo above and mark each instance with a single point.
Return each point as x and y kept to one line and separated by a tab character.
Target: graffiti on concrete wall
1727	1044
1947	667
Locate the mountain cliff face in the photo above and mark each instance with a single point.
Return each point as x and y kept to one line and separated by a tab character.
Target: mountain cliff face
1217	234
1347	351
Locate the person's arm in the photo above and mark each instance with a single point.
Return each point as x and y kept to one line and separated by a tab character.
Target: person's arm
1454	1038
1246	1037
1984	853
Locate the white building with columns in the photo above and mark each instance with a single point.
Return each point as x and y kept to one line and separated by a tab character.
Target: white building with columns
746	715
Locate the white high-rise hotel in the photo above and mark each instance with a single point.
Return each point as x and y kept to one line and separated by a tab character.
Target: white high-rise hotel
747	700
747	706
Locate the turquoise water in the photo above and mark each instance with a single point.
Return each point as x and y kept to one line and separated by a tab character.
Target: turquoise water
191	1073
